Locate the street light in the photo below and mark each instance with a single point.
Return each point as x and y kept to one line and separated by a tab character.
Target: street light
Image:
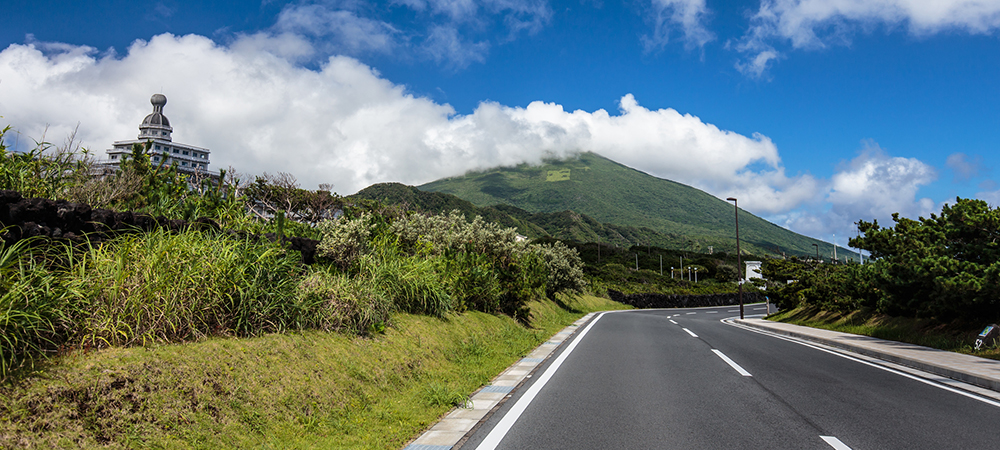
695	274
671	272
739	260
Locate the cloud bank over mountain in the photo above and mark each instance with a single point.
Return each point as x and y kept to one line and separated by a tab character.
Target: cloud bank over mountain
342	123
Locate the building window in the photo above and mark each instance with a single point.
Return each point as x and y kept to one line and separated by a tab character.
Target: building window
114	156
156	158
164	133
157	147
175	150
184	163
185	152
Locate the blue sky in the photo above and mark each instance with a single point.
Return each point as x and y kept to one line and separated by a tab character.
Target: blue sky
814	113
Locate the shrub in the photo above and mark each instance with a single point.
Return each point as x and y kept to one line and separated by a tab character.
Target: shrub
344	240
412	284
565	272
336	302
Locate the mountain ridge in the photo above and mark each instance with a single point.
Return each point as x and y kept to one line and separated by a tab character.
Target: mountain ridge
612	193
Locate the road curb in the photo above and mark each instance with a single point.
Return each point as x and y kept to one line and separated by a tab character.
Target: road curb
985	374
455	426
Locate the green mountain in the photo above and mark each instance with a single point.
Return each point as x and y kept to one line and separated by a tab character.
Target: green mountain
565	225
607	192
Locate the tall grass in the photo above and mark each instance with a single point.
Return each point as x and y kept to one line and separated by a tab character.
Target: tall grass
33	317
162	287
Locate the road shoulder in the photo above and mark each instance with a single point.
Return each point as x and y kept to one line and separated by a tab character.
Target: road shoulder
965	368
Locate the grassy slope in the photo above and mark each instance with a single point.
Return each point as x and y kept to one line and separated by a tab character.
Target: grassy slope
612	193
306	390
956	337
565	225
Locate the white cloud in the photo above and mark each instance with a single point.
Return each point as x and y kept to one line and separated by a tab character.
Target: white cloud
452	33
688	15
816	24
873	185
965	167
446	46
341	31
344	124
991	197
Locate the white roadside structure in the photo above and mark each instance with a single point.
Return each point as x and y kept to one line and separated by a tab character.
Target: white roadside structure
752	271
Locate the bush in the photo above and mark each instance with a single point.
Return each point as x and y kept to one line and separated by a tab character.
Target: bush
329	302
345	240
565	269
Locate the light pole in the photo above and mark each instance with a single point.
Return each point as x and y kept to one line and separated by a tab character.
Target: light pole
671	272
739	259
695	274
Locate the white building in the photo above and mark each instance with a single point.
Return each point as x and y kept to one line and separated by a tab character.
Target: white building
156	128
753	270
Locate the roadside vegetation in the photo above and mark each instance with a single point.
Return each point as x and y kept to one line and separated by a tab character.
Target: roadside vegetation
209	336
933	281
306	389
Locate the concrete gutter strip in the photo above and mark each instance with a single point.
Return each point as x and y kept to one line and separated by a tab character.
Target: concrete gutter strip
969	369
459	422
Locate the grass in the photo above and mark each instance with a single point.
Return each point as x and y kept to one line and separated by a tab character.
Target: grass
955	336
309	389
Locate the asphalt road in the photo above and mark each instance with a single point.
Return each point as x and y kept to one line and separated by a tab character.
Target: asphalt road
660	379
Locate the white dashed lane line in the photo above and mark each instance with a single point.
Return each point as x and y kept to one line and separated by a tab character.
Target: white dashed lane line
672	321
835	443
690	332
732	363
691	313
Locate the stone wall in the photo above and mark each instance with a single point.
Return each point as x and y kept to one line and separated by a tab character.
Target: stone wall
23	218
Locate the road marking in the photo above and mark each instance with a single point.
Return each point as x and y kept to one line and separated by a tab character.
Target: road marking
712	312
503	426
672	321
733	310
758	309
691	313
988	401
690	332
731	363
835	443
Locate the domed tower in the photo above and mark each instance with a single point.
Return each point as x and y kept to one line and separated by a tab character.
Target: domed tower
155	130
156	124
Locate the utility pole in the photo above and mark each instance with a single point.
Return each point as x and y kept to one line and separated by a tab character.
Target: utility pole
637	262
739	261
661	265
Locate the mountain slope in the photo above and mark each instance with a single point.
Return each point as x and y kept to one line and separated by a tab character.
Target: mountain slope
610	192
566	225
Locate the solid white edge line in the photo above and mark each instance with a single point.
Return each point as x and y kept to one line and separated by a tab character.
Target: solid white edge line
690	332
732	363
503	426
835	443
887	369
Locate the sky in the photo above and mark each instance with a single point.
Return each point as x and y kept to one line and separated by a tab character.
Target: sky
813	113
